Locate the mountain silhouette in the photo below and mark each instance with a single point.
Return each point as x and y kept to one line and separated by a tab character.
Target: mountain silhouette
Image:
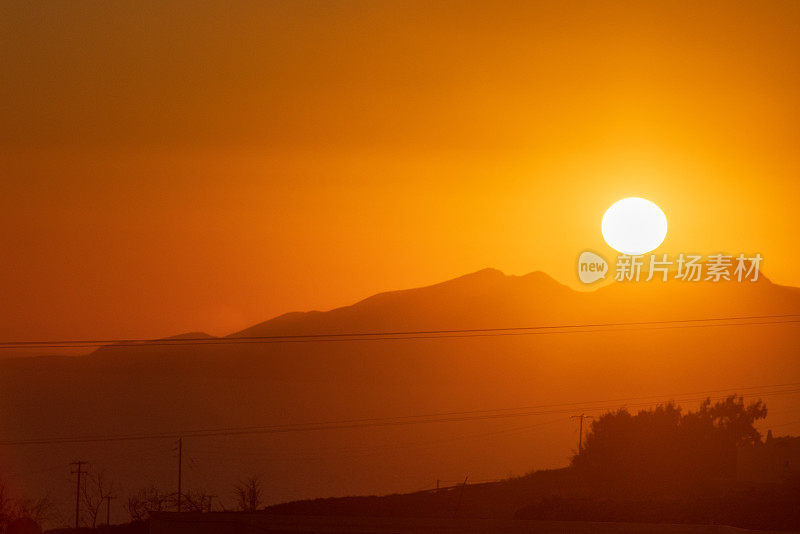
488	299
465	302
152	388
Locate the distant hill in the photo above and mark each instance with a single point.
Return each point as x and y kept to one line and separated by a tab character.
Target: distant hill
156	388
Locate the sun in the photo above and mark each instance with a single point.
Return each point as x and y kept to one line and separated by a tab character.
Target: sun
634	226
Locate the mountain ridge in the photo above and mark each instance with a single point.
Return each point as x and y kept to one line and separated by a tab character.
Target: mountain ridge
474	284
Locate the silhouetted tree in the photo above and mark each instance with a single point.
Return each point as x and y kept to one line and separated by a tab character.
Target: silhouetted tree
38	510
23	515
198	501
149	499
93	496
663	449
249	494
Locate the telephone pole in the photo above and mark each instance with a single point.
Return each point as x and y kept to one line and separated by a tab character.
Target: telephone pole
108	509
460	495
581	417
211	502
180	453
79	471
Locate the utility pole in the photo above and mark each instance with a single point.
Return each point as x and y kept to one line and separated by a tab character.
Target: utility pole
581	417
79	471
211	502
460	495
108	509
180	453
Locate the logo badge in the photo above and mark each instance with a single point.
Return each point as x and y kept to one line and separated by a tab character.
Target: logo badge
591	267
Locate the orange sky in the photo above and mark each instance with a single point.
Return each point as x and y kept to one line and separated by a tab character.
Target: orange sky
172	167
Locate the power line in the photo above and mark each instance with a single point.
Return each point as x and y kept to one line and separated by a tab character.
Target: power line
786	423
362	452
539	406
500	413
352	424
409	334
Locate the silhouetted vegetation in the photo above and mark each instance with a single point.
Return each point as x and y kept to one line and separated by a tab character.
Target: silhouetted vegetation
664	450
151	499
663	465
249	494
93	496
23	516
657	465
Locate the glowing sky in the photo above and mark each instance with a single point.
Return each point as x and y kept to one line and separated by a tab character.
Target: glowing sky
172	167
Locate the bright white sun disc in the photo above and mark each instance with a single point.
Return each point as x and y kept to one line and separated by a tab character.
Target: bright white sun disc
634	226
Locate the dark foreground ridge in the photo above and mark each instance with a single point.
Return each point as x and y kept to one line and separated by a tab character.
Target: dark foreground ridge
190	523
776	508
661	465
